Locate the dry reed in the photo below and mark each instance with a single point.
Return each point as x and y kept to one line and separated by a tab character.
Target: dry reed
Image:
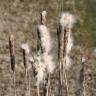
43	49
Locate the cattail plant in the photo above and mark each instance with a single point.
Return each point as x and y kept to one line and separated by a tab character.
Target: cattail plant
25	51
65	43
43	22
12	58
45	63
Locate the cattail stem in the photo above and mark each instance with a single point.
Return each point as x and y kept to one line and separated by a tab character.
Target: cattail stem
38	90
48	86
82	76
44	87
26	80
29	83
60	79
84	89
66	82
14	83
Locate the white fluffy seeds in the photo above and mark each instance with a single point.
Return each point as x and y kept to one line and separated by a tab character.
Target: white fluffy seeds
45	38
67	19
25	47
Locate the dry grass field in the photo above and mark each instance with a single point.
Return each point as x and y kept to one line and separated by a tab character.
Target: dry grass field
21	18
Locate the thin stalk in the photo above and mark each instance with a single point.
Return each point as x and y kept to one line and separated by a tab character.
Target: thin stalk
60	80
26	80
14	83
44	87
38	90
82	73
48	86
29	83
66	82
84	89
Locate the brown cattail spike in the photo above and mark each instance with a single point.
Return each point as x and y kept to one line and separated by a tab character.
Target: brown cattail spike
24	58
25	50
12	52
43	18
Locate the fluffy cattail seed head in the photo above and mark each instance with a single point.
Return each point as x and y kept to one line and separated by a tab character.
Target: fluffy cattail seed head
67	19
39	67
66	42
45	38
43	17
25	50
83	60
44	13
